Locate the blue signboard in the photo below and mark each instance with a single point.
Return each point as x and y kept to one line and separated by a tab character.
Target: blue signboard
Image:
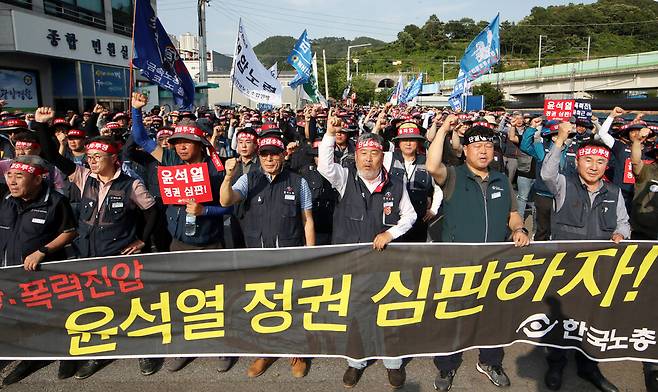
110	81
19	88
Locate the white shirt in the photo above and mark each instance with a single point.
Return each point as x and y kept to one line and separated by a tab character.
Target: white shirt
338	177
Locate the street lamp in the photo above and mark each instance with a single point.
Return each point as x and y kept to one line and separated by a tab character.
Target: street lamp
349	48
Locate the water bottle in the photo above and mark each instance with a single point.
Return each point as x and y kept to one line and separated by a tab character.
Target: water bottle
190	225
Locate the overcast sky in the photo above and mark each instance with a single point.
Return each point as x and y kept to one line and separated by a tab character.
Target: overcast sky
381	19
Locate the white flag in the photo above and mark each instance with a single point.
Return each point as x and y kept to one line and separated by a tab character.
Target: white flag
274	70
250	76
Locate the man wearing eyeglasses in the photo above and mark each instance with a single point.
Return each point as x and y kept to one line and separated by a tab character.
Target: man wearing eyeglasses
111	204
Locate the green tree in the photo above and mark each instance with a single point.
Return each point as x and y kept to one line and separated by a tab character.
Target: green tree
406	41
382	96
493	96
364	89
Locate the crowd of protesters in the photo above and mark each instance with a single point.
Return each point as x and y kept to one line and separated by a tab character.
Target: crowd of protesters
87	186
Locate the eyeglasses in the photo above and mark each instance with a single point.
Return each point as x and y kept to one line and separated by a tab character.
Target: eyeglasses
96	157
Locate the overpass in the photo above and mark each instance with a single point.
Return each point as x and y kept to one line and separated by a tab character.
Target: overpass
602	78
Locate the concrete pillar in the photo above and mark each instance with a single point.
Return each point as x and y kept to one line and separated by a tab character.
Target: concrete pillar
109	21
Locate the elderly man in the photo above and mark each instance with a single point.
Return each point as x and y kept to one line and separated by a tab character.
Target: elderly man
277	214
372	206
35	225
582	211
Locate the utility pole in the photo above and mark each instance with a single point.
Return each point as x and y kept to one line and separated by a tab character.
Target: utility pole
451	60
349	48
203	62
589	43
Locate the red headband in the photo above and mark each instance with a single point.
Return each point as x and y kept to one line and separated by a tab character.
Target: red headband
408	129
370	143
163	132
246	136
597	151
271	142
76	133
113	125
482	124
190	130
24	167
108	148
24	145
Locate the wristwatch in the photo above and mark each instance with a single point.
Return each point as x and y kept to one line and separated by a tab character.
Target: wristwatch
523	229
44	250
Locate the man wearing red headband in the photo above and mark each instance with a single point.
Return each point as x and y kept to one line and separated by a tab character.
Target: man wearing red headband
585	208
35	225
111	203
26	144
277	214
372	206
247	161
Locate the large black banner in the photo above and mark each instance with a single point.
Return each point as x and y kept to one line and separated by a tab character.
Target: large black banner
347	301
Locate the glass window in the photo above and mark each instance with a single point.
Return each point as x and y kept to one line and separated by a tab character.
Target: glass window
91	5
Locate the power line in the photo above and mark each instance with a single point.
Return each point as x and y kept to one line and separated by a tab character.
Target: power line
308	16
301	23
363	20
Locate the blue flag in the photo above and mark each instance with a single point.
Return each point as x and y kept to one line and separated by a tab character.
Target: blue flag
405	92
415	88
301	58
157	57
455	102
483	53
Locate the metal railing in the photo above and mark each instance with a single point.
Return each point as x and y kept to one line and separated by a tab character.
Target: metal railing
602	65
74	13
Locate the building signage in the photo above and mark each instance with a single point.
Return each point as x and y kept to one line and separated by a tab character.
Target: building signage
51	37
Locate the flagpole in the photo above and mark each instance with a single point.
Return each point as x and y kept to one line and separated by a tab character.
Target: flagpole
237	37
132	53
324	67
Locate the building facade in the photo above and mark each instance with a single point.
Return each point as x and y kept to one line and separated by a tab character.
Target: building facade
66	54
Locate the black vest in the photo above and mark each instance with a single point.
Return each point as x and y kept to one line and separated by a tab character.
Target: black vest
24	228
578	219
272	217
473	216
107	229
419	186
324	198
360	215
238	209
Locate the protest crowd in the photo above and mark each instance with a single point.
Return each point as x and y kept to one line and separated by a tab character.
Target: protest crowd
103	184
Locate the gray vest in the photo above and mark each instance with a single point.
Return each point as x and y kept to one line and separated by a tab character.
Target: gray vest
579	219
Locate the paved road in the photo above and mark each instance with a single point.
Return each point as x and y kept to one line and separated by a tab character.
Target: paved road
524	364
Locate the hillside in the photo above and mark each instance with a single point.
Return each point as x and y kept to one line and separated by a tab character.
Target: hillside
615	26
277	48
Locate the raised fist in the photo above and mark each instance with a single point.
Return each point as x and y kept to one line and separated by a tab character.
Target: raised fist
98	108
139	100
44	114
229	166
617	111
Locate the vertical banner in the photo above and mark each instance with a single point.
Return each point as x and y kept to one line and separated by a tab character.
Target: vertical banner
250	76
